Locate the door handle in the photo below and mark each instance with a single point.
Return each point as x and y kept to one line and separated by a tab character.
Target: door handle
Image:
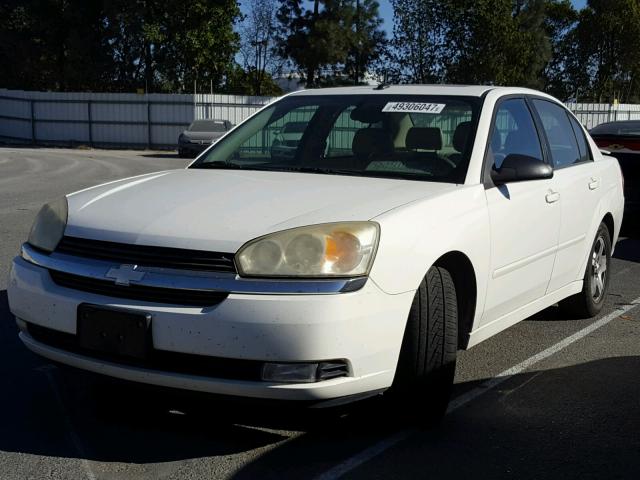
552	196
594	183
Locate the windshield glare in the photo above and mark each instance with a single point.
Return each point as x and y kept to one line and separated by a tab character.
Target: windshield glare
207	126
397	136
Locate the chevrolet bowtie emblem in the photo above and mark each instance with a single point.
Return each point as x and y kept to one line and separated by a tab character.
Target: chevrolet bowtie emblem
125	274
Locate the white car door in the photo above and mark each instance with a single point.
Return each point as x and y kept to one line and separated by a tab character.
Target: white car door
524	217
578	181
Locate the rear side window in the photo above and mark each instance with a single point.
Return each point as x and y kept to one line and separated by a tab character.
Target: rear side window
583	146
513	133
562	139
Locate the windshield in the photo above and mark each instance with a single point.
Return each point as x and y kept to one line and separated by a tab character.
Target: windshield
207	126
397	136
631	128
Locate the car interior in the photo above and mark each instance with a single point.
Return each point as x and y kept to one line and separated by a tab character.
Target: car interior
396	142
361	138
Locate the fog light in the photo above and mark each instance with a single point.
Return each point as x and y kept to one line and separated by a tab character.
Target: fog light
289	372
22	325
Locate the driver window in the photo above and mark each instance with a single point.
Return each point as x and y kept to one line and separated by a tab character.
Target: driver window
279	139
513	133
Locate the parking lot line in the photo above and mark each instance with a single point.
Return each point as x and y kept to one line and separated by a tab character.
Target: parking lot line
47	370
380	447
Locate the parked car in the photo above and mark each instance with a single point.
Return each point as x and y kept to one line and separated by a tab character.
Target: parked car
200	135
622	139
414	222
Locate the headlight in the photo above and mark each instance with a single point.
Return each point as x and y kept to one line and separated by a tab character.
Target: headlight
344	249
48	228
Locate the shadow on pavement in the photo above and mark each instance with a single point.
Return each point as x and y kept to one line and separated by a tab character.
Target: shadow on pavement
38	403
170	154
628	249
580	421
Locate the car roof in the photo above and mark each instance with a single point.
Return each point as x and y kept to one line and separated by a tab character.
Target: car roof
458	90
616	128
209	120
620	122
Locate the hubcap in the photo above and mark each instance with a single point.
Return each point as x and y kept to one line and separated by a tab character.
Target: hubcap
598	269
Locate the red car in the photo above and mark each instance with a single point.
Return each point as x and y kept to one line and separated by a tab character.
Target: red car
622	139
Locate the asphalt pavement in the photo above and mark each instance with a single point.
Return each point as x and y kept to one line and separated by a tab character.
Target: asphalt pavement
550	397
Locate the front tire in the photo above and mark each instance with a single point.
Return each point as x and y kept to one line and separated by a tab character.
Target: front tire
589	301
427	363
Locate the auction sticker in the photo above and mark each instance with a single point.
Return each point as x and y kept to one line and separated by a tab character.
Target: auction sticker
413	107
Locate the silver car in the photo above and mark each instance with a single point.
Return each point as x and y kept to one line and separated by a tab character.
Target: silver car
201	134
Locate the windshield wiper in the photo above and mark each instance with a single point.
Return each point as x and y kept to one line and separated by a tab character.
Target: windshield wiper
273	168
328	171
307	169
223	165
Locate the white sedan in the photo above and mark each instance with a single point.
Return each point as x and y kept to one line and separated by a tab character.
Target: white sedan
409	222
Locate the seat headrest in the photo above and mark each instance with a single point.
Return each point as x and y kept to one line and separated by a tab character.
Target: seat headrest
514	141
367	141
367	113
518	141
460	136
424	138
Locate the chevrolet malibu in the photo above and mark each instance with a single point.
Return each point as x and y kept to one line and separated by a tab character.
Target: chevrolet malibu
410	222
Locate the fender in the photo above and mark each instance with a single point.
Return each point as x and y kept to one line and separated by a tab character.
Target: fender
423	231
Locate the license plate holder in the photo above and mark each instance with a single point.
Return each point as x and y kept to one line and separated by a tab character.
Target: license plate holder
114	331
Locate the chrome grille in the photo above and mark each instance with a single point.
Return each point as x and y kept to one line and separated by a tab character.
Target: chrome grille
147	255
197	298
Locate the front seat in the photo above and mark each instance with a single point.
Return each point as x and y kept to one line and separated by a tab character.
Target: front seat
460	136
424	140
371	144
424	144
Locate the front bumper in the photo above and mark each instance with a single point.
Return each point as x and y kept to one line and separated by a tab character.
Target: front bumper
364	328
193	147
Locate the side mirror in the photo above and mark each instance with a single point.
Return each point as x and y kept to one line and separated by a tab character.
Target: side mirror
520	168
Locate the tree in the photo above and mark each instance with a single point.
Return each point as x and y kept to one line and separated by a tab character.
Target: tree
258	44
52	45
241	81
367	39
560	22
312	39
117	45
419	43
172	45
335	36
496	41
606	42
530	17
470	41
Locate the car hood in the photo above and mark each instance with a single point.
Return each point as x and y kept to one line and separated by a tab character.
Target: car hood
199	136
220	210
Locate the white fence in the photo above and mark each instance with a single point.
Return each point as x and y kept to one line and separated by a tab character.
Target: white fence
592	114
113	119
156	120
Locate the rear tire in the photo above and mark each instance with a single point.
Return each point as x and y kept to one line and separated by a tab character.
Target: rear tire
589	301
427	363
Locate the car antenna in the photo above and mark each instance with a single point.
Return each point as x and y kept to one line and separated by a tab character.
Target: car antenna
384	84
